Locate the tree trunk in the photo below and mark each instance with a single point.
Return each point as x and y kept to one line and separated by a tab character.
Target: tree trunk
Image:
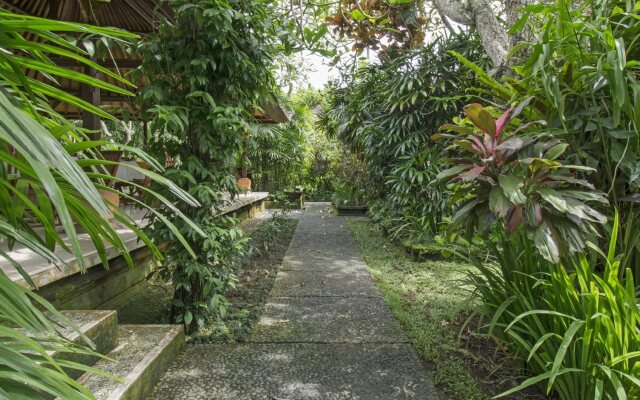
479	15
523	35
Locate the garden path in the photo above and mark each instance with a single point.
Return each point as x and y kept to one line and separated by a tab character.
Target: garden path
325	333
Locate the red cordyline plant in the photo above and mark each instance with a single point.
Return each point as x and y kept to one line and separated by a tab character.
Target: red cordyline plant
502	172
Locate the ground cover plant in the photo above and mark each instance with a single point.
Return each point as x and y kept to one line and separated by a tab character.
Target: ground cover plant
432	302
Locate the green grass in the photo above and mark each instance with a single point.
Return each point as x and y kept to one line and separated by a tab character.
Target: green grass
430	301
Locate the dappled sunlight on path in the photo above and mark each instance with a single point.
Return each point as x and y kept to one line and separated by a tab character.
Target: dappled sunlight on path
325	333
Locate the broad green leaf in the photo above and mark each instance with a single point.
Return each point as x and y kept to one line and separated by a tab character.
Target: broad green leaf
481	118
546	243
450	127
498	203
357	15
511	187
554	198
556	151
449	172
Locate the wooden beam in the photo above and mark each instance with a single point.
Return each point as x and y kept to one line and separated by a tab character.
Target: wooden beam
145	132
53	10
12	7
140	11
107	63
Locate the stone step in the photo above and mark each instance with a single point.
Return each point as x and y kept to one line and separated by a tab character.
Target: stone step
143	354
100	326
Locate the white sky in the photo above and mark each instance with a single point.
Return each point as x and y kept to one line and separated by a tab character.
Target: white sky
320	72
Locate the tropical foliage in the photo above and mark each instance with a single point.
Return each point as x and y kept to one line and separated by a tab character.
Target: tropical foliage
297	153
516	177
50	172
534	165
387	115
571	320
538	170
207	73
574	328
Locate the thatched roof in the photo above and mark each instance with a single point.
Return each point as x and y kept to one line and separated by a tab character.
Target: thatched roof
138	16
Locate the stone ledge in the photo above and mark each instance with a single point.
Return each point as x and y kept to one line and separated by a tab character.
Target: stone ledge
142	356
243	200
43	272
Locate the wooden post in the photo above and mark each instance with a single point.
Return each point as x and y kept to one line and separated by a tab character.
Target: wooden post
145	133
91	94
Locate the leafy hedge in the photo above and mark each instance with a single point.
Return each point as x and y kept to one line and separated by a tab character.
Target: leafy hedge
387	115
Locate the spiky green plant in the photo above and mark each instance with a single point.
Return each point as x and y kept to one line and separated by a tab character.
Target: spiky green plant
575	329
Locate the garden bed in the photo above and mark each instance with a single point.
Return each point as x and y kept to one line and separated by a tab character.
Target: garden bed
256	275
269	243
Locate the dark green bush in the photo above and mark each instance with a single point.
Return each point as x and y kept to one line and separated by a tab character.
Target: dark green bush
387	115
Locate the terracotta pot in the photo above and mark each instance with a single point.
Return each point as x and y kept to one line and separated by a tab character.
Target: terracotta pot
244	183
112	199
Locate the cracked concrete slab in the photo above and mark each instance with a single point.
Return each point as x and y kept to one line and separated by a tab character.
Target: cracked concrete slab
339	282
327	319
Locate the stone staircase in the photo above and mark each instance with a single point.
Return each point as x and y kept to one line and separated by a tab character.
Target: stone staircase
137	354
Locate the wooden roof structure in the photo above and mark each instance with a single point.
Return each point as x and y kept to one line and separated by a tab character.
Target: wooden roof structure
137	16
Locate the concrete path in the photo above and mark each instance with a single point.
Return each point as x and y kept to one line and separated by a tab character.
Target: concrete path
325	333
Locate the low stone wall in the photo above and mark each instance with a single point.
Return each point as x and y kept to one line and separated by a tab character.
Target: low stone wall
98	287
101	288
249	211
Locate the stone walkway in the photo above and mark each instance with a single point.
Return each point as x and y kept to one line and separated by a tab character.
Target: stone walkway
325	333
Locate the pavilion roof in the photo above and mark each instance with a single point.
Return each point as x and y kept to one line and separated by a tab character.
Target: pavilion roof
138	16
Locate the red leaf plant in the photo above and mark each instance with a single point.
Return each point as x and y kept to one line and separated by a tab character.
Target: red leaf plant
509	172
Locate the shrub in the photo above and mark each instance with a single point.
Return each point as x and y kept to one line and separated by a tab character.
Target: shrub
577	332
515	177
206	73
386	116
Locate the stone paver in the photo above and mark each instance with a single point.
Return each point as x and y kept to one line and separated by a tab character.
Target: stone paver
344	282
327	319
324	334
300	371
